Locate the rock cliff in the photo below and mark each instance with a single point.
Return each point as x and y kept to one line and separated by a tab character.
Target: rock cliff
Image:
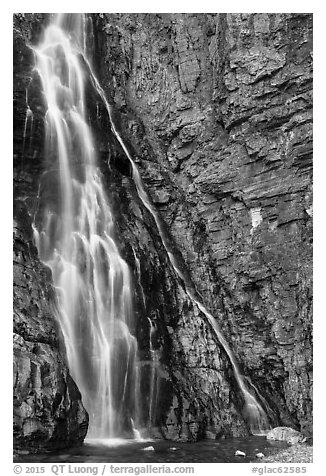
216	111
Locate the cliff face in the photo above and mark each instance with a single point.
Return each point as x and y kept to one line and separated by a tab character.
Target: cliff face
216	111
48	412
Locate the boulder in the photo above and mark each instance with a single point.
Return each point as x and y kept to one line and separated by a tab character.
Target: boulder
283	433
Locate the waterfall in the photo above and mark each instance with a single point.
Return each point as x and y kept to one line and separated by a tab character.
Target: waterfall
154	379
253	411
74	233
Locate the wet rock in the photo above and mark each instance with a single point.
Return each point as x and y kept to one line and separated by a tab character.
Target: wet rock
210	435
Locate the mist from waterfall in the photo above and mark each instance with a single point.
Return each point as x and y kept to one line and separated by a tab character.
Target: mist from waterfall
75	238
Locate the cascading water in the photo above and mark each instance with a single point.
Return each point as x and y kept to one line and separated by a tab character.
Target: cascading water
75	238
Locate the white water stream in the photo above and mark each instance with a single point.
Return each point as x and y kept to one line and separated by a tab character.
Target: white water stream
76	240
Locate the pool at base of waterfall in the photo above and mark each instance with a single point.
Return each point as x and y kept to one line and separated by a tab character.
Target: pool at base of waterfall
159	451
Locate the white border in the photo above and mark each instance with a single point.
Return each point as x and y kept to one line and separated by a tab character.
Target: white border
8	8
